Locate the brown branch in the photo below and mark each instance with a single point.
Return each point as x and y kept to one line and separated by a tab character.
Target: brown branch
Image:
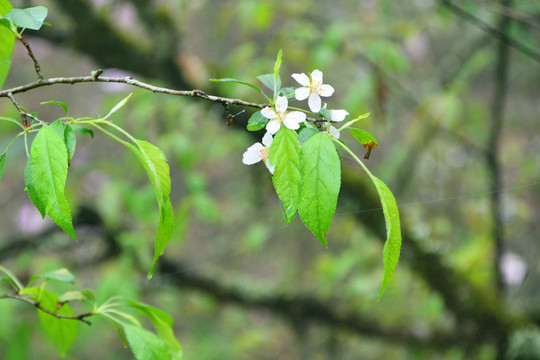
24	115
37	305
31	54
130	81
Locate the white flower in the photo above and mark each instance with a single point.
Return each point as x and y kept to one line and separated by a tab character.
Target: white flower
258	152
331	130
313	89
291	119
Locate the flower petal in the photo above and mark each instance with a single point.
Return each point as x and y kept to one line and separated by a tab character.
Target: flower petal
316	76
295	116
281	104
302	93
332	129
301	78
253	154
273	126
268	113
291	124
314	102
267	139
326	90
339	115
270	167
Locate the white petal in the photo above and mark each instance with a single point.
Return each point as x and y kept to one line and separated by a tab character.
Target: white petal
281	104
270	167
291	124
302	93
314	102
267	139
316	76
326	90
268	113
339	115
295	116
331	130
253	154
273	126
301	78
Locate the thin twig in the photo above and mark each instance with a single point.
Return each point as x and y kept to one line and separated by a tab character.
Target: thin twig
37	305
31	54
24	115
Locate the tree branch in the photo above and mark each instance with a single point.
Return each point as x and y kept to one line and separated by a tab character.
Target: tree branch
492	31
31	54
81	317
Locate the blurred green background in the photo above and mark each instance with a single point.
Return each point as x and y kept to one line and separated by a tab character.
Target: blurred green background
453	89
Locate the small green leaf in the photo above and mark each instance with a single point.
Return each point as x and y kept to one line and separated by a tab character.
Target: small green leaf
82	130
156	166
392	246
240	82
71	141
2	163
268	81
57	126
117	106
71	296
61	331
305	134
163	323
45	177
62	275
287	178
29	18
145	345
322	180
89	294
327	114
287	92
59	103
277	65
366	139
12	279
256	121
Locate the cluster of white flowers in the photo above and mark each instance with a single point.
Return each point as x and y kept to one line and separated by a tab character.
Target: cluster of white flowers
311	90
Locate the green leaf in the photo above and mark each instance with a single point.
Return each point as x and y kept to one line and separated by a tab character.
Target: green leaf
71	296
62	275
29	18
240	82
71	141
287	178
327	114
287	92
12	279
363	136
366	139
61	331
59	103
163	323
268	81
58	127
156	166
82	130
392	246
2	163
305	134
277	65
45	177
256	121
117	106
7	41
145	345
322	180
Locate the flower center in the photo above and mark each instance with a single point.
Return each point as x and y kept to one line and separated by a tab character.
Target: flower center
264	154
315	87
